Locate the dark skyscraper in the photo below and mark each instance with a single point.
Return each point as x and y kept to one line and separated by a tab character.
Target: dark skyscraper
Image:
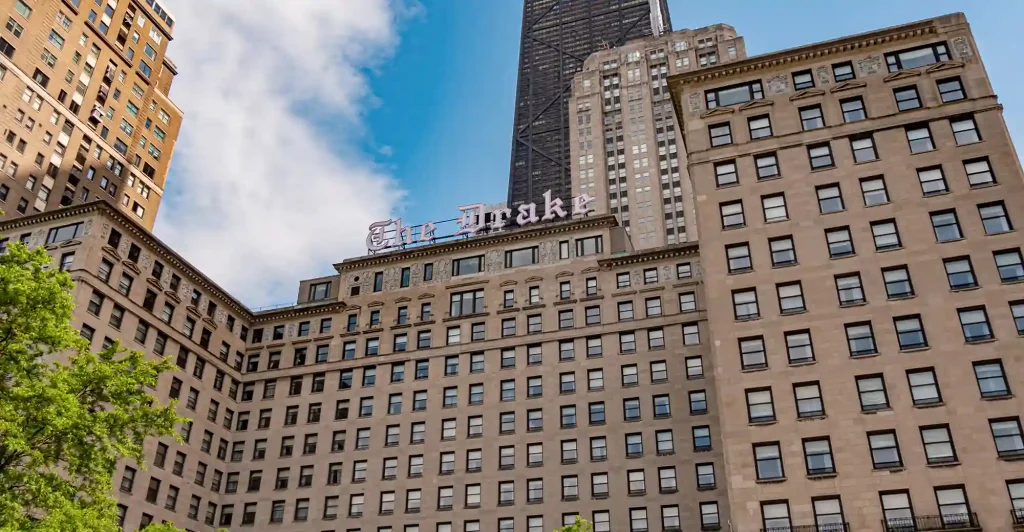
557	37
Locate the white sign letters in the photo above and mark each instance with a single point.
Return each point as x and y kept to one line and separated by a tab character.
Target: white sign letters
391	232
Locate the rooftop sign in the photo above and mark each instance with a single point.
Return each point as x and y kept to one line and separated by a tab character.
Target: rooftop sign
475	218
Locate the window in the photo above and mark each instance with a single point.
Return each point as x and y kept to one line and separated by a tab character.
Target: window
774	208
954	509
910	332
991	378
1007	435
933	181
839	242
627	342
734	94
752	353
818	456
821	156
994	218
683	270
811	118
732	214
638	520
592	315
938	444
521	257
767	165
830	198
783	251
698	402
923	387
920	139
965	131
588	246
725	174
808	400
974	322
634	445
907	98
873	191
979	172
687	302
849	289
721	134
897	282
759	405
738	256
873	396
799	348
709	517
917	57
791	297
775	515
853	109
950	89
467	303
467	265
896	510
769	461
886	235
803	80
843	71
694	367
863	149
861	339
885	451
1016	489
760	127
744	304
959	273
64	233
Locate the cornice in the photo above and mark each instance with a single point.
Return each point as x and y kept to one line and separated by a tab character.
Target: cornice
327	307
588	222
140	233
811	52
677	250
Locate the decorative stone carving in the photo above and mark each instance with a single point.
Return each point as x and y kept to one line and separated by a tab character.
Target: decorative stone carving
638	278
777	84
693	101
869	65
123	248
88	228
183	291
391	278
221	316
105	232
962	49
822	75
165	281
666	273
443	270
291	330
416	274
548	252
495	260
146	262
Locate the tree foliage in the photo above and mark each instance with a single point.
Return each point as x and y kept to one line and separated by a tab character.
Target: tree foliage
67	415
581	525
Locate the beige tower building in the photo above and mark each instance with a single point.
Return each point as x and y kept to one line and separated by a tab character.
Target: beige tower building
625	148
858	203
86	114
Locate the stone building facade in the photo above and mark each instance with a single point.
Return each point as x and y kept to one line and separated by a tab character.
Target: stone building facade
86	113
857	202
504	382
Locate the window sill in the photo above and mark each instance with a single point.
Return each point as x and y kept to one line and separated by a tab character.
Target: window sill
887	250
794	312
778	221
832	212
875	411
953	463
812	418
1012	457
915	349
748	318
786	265
998	397
802	363
706	488
770	480
822	476
741	272
965	289
931	405
854	304
985	341
762	423
754	370
893	469
823	168
865	355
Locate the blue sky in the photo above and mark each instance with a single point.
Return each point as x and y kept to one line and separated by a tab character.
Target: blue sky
445	98
307	120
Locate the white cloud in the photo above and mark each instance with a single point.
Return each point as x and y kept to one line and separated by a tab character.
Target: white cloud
268	185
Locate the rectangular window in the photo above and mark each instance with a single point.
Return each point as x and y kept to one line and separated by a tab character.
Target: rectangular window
791	297
994	218
860	339
830	198
886	235
760	127
818	456
768	460
738	258
933	181
843	71
853	109
938	444
521	257
589	246
920	139
808	400
820	156
468	265
721	134
752	353
803	80
885	450
811	118
774	208
849	289
725	174
1007	435
924	389
767	165
734	94
979	172
896	510
732	215
863	149
897	282
991	378
839	242
951	89
910	332
960	273
745	304
917	57
799	348
872	393
760	407
965	131
975	325
783	251
907	98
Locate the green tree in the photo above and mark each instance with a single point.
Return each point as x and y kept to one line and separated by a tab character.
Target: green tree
581	525
67	415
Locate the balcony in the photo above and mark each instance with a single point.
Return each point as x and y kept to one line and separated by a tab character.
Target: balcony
831	527
923	523
1018	518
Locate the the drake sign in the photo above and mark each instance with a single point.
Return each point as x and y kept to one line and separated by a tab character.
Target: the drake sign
475	218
